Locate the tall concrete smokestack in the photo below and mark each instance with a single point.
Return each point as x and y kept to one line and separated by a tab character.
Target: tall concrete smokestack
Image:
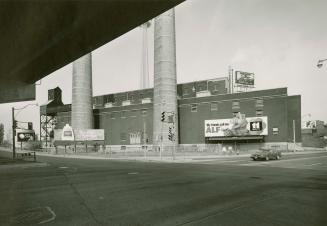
165	87
82	109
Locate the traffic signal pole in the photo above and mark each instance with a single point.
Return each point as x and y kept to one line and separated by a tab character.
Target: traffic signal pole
13	133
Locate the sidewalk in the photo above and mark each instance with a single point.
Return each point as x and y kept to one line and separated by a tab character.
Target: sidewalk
180	158
7	161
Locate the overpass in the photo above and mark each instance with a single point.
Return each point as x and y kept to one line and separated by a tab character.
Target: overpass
39	37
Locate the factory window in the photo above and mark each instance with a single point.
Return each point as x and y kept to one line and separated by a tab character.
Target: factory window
185	91
144	112
113	115
236	104
275	131
216	87
214	106
133	113
123	136
194	107
259	103
123	114
259	112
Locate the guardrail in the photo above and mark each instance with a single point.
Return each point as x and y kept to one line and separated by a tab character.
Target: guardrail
26	154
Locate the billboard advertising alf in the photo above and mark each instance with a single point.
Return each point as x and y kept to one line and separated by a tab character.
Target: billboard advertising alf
244	78
238	126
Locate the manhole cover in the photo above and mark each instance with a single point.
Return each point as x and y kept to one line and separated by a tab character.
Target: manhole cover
38	215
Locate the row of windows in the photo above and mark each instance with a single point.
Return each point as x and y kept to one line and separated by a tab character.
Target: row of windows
235	105
188	90
124	114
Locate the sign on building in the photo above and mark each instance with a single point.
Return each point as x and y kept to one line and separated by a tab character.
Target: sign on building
238	126
67	133
244	78
70	134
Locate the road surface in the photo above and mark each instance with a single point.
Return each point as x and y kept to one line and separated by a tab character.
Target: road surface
225	191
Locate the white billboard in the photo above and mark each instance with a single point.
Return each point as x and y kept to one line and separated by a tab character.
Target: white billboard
238	126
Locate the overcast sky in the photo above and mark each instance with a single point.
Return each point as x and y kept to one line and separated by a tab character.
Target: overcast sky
280	41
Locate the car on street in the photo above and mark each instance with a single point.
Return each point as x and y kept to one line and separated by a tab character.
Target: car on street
266	154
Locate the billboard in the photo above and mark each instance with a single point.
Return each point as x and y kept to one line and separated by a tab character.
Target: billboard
244	78
238	126
70	134
25	136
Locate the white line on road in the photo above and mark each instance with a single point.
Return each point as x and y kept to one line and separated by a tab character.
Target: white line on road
314	164
133	173
51	218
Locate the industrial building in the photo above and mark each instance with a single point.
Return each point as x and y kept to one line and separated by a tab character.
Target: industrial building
127	117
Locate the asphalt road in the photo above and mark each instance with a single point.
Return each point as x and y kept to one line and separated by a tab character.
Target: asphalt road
226	191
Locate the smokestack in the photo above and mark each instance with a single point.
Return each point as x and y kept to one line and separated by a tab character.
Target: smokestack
144	81
82	108
165	87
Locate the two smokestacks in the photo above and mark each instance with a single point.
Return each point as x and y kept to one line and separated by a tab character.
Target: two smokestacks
165	85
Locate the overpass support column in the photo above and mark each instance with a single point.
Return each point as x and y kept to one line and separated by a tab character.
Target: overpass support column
82	106
165	87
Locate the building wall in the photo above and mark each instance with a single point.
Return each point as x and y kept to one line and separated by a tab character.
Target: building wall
275	106
119	121
294	113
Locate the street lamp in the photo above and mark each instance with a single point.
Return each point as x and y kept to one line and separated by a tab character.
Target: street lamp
320	63
14	126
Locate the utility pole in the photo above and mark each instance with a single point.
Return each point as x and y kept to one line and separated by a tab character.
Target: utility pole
13	132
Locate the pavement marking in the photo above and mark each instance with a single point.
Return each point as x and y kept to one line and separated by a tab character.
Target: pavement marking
34	216
314	164
51	218
133	173
63	167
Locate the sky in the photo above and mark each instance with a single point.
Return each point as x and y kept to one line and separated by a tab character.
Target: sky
279	41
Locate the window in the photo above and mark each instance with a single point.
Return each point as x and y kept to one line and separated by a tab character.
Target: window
214	106
259	103
123	136
123	114
185	91
236	104
194	107
275	131
144	112
216	87
113	115
259	112
133	113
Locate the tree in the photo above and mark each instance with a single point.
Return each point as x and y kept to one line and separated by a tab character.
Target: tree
2	133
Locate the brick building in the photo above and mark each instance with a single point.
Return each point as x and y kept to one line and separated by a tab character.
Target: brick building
127	117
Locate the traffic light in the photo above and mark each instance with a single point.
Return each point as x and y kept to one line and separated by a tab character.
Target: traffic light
14	124
170	134
163	116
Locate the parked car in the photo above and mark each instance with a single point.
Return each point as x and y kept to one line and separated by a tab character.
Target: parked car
266	154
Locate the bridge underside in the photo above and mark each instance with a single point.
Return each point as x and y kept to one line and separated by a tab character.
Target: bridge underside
39	37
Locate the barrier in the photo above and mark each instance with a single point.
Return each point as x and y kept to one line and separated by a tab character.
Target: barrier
26	154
